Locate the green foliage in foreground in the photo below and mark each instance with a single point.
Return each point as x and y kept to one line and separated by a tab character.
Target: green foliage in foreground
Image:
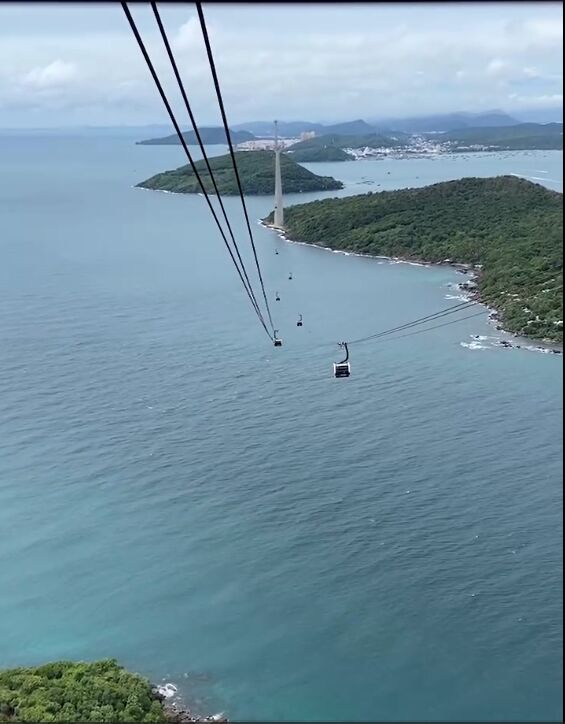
64	691
513	227
256	171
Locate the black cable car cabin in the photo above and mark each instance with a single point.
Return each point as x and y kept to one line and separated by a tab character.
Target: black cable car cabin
276	341
299	323
343	368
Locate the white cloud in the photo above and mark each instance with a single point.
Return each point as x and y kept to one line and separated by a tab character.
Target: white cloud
497	67
188	35
54	74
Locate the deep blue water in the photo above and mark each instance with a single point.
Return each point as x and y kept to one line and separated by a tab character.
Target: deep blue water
178	494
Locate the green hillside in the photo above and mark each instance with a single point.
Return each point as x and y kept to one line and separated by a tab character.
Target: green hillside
510	226
372	140
256	170
322	153
524	136
65	691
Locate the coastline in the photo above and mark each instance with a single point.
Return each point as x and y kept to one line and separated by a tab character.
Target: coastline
468	290
175	709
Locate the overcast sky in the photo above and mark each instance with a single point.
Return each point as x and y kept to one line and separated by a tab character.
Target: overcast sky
72	64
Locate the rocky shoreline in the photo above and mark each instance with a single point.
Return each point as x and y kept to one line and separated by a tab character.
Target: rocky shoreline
176	712
468	288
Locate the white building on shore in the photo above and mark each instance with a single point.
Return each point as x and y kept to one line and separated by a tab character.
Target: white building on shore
265	144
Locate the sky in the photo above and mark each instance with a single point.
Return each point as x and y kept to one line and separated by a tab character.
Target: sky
74	64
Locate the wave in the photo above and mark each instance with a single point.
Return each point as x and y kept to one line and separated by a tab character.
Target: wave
459	297
537	178
473	345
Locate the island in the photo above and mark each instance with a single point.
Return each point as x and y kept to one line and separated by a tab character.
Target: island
509	231
210	136
256	170
99	691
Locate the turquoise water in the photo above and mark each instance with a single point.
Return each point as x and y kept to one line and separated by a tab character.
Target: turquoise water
178	494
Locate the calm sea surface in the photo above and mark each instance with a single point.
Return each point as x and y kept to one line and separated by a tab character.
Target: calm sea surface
178	494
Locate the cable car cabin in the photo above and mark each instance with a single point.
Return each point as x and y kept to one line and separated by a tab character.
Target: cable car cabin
278	342
343	368
299	323
277	298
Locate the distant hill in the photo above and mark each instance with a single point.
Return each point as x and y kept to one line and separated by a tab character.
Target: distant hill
512	227
295	128
256	170
524	136
541	115
446	122
351	128
372	140
314	154
210	136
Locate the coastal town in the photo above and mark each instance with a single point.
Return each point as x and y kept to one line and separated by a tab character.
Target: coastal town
413	147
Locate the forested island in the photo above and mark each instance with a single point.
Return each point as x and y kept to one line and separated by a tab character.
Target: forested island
256	170
211	136
509	229
99	691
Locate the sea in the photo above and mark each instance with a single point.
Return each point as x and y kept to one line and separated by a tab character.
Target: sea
224	515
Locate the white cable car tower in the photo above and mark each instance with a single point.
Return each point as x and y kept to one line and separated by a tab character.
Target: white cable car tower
278	220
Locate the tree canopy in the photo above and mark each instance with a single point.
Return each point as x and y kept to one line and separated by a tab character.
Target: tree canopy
256	170
65	691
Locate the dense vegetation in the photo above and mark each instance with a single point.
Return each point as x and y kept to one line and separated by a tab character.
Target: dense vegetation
523	136
209	136
77	692
372	140
510	226
321	153
256	170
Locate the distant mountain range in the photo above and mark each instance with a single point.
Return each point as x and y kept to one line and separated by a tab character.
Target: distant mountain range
418	124
389	127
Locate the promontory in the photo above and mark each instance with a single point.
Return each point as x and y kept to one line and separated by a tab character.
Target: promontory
256	170
508	229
